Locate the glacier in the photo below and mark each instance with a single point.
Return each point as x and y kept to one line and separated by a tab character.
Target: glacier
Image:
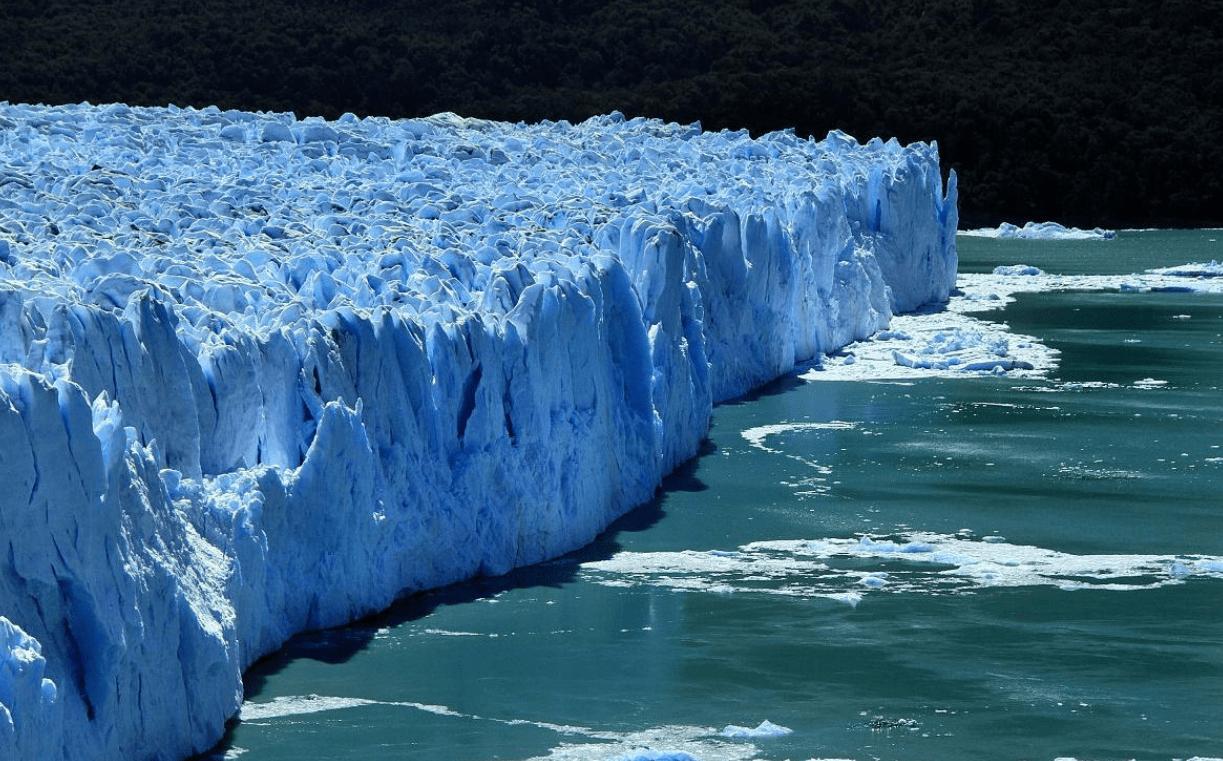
262	374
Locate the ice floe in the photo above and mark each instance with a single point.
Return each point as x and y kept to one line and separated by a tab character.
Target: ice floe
985	292
1194	269
766	728
916	563
1040	231
1018	269
957	341
945	344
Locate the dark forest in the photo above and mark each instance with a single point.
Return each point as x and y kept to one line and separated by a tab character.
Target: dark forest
1083	112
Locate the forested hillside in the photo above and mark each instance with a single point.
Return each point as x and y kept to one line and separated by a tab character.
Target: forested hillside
1085	112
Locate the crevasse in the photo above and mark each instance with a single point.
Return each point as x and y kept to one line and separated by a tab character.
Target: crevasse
261	374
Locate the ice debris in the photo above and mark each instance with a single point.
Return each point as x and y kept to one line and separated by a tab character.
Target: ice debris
766	728
1194	269
987	292
1040	231
844	569
1018	270
947	344
261	374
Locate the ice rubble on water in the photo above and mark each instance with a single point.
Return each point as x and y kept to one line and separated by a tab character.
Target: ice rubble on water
984	293
956	341
575	742
1195	270
1040	231
1018	269
766	728
261	374
948	343
919	563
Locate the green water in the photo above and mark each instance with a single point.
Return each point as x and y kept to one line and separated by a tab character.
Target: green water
917	669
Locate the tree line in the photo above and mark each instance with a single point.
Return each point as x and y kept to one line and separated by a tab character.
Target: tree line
1080	111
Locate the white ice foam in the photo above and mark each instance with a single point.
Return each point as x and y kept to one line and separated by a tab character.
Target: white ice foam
298	705
670	741
756	436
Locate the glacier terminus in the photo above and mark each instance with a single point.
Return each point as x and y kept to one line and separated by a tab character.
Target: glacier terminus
260	375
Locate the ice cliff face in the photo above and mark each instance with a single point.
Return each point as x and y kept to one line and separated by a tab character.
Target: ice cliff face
259	375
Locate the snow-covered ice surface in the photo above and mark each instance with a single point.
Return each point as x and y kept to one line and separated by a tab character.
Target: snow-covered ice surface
259	375
1040	231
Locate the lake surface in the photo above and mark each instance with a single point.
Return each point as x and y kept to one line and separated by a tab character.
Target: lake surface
1043	576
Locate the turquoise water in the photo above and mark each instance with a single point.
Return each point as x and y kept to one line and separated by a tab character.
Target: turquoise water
1131	251
1048	639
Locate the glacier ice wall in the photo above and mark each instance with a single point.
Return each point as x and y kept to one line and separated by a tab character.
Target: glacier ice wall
260	375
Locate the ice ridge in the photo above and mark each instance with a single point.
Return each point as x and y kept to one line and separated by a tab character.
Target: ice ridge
261	374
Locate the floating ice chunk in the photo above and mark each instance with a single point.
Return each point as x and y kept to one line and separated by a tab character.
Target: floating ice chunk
940	344
766	728
1026	270
962	349
1195	269
883	724
1150	383
1040	231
